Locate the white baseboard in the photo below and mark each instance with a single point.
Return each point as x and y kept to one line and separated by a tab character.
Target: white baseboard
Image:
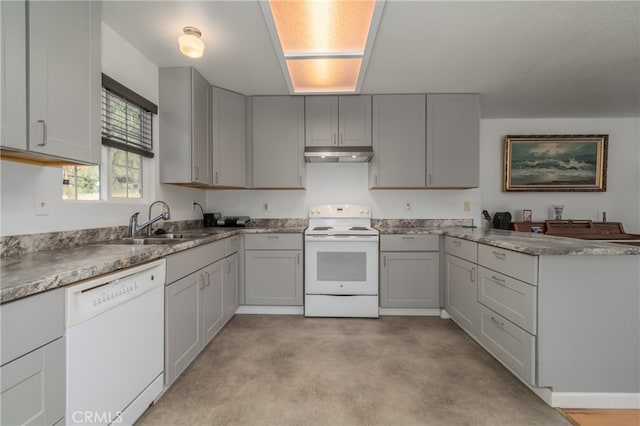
270	310
416	312
444	314
594	400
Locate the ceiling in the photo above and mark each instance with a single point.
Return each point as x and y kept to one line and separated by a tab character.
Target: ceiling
526	59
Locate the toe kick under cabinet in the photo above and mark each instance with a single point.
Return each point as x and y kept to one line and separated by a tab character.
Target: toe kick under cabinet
552	320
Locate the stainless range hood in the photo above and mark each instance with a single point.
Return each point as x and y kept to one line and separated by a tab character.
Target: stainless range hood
334	154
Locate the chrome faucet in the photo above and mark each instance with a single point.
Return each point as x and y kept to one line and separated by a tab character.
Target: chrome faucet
134	228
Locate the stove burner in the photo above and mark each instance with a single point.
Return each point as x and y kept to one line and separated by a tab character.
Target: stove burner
322	228
358	228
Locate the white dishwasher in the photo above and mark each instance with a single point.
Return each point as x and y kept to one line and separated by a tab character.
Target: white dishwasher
115	345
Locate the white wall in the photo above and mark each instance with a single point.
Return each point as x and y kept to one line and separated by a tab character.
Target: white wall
20	182
345	183
621	200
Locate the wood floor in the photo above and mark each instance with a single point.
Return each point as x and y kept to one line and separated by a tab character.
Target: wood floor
590	417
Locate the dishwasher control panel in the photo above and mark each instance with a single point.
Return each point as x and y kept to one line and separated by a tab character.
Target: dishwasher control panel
94	296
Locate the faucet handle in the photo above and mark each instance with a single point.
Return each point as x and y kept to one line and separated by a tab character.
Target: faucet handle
166	216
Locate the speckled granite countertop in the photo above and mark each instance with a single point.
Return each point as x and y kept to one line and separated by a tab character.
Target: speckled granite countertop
523	242
36	272
33	273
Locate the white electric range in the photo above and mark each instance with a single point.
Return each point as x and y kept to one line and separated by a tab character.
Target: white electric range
341	262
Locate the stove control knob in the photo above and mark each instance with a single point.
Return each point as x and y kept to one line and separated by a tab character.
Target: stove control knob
366	212
361	211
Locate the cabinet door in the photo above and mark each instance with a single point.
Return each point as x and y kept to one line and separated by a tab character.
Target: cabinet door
273	277
461	290
321	120
64	79
201	171
354	120
399	143
13	84
278	142
33	387
230	291
453	141
183	322
213	300
228	134
409	280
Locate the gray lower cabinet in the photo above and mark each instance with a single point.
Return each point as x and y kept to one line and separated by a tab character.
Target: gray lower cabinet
273	269
32	375
199	303
230	291
409	275
461	293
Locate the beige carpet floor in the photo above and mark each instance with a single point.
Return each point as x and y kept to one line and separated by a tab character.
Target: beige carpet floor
291	370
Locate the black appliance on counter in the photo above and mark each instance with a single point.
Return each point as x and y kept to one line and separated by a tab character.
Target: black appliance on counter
233	221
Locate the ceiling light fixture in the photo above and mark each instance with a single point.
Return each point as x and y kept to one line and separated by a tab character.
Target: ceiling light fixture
190	43
323	45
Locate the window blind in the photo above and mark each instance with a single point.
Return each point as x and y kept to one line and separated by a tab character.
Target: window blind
127	119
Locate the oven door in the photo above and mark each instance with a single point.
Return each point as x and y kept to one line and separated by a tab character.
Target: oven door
341	265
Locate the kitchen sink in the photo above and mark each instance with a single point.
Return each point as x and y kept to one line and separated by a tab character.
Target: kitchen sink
144	241
157	239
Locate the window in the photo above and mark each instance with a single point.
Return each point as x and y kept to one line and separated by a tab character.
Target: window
127	135
81	183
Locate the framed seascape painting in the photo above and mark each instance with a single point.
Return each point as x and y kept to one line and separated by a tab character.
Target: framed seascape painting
555	163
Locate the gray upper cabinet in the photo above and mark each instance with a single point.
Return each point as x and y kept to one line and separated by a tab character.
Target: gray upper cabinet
399	126
453	141
13	79
185	146
338	120
228	135
63	79
278	142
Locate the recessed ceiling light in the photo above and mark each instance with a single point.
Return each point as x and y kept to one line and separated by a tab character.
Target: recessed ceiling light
324	45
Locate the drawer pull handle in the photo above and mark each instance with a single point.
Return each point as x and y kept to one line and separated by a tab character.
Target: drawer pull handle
456	243
208	279
201	279
473	274
298	258
499	255
408	238
498	281
384	261
499	324
273	237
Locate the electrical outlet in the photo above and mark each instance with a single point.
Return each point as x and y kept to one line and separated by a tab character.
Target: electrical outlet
407	205
467	206
41	205
265	206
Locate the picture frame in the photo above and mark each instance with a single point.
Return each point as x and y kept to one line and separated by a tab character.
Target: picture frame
547	163
526	216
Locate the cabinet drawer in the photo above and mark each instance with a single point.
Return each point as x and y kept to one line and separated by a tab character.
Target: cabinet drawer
30	323
463	249
273	242
409	242
185	262
517	265
510	344
513	299
231	245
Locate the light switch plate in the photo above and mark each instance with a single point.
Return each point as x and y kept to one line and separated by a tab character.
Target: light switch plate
41	205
